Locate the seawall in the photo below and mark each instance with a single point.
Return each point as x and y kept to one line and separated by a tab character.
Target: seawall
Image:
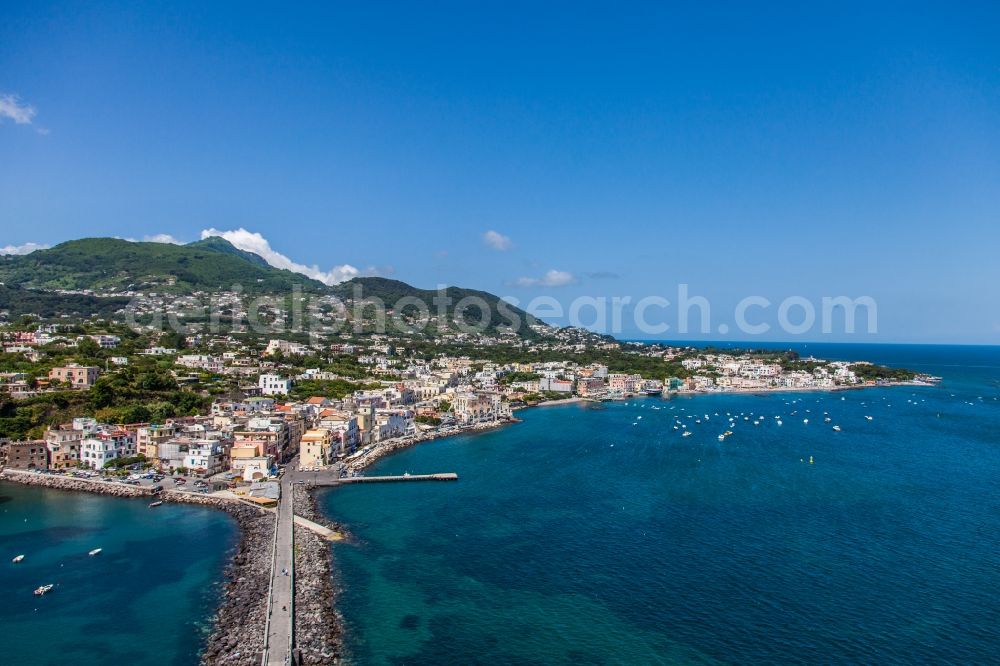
68	483
319	627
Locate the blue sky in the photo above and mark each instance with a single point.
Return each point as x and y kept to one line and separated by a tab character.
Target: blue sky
822	150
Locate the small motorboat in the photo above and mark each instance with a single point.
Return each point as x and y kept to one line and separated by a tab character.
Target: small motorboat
836	428
156	503
43	589
17	558
95	551
687	433
869	418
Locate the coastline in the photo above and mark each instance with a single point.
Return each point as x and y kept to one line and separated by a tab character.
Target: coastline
807	389
237	635
238	625
382	450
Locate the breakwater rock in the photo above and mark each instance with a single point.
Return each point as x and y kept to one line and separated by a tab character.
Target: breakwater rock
318	626
388	447
70	483
237	638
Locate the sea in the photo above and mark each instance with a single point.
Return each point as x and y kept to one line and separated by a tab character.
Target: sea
599	534
146	598
593	534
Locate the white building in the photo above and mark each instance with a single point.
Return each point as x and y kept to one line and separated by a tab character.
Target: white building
106	341
274	385
95	452
205	457
286	348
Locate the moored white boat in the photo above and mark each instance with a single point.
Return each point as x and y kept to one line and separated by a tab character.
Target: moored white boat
95	551
156	503
39	591
17	558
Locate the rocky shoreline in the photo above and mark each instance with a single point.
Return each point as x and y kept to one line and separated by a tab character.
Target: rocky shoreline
67	483
319	627
237	637
387	448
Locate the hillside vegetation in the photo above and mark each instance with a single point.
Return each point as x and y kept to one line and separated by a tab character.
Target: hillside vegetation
104	265
111	264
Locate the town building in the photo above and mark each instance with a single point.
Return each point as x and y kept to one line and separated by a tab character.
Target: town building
148	438
204	457
274	384
315	448
79	376
27	455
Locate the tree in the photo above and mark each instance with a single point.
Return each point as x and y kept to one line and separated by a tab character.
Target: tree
161	411
87	348
102	393
157	380
135	414
173	340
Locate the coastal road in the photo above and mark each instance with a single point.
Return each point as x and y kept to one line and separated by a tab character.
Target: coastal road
279	633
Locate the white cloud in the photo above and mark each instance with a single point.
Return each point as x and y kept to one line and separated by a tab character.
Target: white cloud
13	108
553	278
162	238
252	241
27	248
497	241
155	238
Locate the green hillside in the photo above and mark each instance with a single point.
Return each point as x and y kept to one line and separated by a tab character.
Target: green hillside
219	244
104	264
46	304
209	265
392	291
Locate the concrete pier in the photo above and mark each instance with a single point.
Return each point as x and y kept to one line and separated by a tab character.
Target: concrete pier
321	479
279	631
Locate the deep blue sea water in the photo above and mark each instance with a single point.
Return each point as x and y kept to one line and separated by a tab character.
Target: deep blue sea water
597	534
146	599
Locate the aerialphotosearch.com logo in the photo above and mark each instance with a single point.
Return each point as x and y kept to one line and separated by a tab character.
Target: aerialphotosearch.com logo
655	315
650	316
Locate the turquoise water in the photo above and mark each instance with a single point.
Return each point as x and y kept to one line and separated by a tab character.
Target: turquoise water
588	535
146	599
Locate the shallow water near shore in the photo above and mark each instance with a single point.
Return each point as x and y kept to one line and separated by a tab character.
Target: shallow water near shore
147	598
587	534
